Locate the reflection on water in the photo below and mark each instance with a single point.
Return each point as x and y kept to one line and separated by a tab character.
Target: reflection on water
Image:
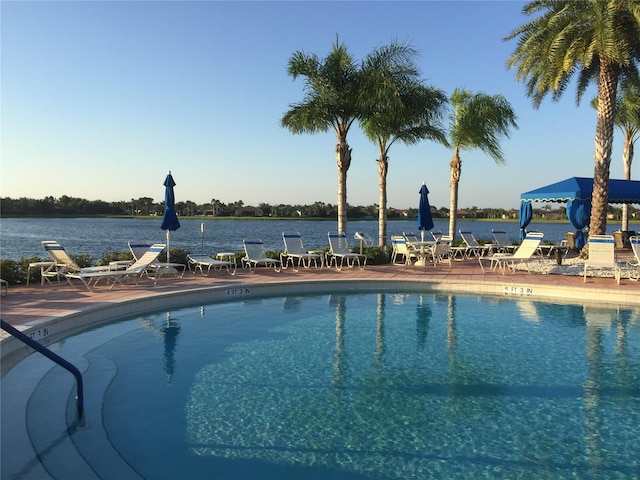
413	386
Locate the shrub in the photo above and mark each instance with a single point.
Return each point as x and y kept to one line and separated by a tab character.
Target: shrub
375	255
83	260
115	257
10	271
177	255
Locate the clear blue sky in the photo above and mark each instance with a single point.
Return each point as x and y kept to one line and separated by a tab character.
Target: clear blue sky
101	99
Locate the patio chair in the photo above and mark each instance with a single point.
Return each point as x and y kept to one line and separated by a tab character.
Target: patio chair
520	257
200	262
602	255
502	240
339	250
138	249
634	242
410	237
472	247
441	251
133	272
294	251
63	263
255	255
402	254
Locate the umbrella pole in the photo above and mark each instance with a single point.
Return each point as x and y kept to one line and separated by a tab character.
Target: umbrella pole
202	238
168	240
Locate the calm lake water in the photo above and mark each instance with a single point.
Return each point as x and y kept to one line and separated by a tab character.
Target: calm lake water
21	237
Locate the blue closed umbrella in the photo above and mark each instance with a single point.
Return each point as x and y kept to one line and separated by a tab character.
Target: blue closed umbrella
425	220
170	221
526	214
578	212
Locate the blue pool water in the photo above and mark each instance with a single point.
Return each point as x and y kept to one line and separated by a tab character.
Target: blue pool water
363	386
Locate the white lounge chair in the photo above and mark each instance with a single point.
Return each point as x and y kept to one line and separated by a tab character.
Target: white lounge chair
200	262
502	240
140	248
402	253
133	272
472	247
294	251
634	241
602	255
63	263
255	255
520	257
339	250
436	234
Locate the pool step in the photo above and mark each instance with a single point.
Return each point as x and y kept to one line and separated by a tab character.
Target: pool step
68	449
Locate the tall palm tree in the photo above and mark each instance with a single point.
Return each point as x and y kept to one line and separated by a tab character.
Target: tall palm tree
397	106
597	39
627	120
330	101
479	121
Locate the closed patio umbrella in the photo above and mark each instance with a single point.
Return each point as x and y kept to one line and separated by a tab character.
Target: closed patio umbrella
170	221
425	220
578	212
526	214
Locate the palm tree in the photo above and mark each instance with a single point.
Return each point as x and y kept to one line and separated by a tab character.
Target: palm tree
479	121
627	119
330	101
597	39
397	106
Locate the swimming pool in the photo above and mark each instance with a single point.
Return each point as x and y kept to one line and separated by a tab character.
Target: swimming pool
345	386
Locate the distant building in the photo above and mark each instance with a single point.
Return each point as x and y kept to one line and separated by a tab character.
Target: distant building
248	211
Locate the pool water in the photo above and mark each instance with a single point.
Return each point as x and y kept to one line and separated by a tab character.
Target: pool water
370	386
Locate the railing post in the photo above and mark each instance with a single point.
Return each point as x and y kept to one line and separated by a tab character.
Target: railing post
54	358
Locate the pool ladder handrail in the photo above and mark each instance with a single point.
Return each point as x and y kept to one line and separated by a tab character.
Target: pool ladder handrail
53	357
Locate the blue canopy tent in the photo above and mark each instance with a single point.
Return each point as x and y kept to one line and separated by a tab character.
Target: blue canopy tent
576	192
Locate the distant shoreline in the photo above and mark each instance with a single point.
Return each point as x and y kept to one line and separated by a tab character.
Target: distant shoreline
293	219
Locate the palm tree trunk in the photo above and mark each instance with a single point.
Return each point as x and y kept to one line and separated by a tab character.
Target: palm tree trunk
343	158
607	89
383	167
456	170
627	158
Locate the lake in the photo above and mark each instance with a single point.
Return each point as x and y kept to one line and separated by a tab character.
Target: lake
21	237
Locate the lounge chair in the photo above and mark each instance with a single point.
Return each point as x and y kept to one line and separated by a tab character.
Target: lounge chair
140	248
63	263
436	234
133	272
472	247
502	240
634	242
255	255
339	250
520	257
602	255
402	253
294	251
200	262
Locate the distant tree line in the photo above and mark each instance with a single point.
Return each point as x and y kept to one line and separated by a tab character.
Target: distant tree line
145	206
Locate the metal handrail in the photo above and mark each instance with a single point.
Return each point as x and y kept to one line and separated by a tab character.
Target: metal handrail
54	358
